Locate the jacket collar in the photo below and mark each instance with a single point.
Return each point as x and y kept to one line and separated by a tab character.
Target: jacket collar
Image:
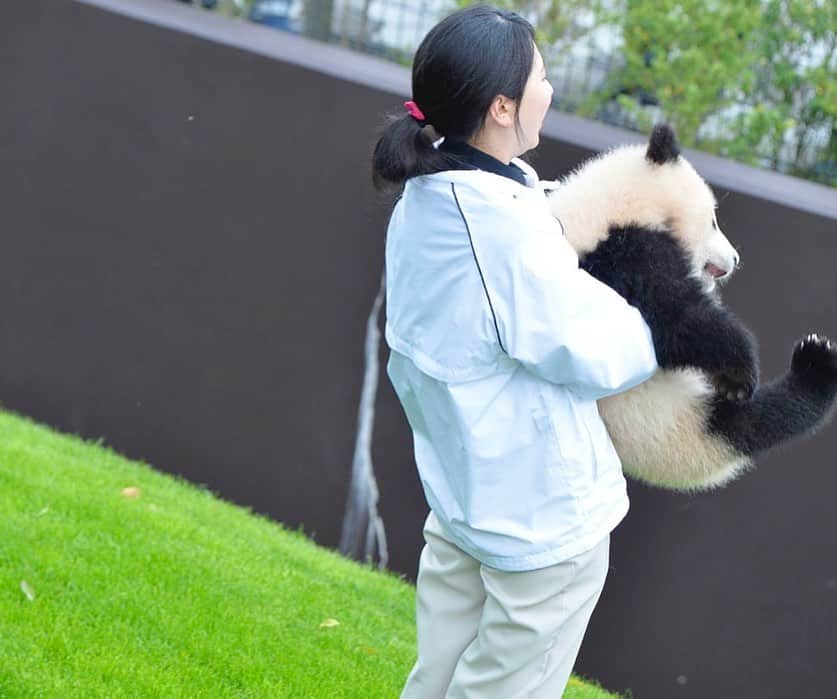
534	187
481	160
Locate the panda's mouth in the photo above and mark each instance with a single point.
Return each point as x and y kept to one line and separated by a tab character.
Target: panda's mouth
714	271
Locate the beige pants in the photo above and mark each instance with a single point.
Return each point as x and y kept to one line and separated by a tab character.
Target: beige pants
484	633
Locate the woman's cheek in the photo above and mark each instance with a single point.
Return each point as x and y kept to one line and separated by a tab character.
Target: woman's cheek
547	100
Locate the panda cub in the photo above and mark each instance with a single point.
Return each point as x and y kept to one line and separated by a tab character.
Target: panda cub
643	222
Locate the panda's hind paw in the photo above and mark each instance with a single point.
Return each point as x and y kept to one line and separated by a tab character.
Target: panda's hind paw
815	359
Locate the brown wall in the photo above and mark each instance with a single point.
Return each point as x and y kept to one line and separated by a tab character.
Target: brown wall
191	250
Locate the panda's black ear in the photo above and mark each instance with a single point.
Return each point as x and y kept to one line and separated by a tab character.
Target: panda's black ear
663	146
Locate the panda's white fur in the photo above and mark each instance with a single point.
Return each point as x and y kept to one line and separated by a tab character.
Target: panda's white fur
659	431
621	186
658	428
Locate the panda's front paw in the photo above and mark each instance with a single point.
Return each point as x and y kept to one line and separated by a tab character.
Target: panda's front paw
738	376
814	360
735	383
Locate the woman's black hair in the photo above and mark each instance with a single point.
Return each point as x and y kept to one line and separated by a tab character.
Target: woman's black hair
463	63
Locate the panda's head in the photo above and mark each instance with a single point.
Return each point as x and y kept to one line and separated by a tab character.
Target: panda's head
653	187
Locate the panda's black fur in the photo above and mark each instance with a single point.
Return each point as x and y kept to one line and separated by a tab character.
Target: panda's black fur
689	328
650	267
791	405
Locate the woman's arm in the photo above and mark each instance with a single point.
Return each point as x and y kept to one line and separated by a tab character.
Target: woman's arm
556	319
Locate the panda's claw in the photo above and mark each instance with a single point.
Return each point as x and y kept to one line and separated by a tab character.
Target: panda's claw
814	360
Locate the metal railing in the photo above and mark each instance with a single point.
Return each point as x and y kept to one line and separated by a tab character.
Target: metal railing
393	29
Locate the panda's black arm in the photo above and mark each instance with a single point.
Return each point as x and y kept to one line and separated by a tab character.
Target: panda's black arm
651	271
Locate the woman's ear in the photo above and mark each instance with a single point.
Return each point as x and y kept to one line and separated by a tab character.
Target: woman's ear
501	110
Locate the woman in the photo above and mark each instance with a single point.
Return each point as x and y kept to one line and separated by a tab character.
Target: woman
500	347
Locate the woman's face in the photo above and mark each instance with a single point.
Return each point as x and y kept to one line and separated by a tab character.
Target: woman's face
536	100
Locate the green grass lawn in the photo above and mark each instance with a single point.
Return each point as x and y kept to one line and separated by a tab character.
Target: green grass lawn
168	591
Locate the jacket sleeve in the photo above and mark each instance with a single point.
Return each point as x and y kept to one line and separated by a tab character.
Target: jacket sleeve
557	320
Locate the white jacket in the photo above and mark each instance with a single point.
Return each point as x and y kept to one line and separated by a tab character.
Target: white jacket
500	346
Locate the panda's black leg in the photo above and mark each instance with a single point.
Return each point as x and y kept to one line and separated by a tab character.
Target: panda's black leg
708	337
795	404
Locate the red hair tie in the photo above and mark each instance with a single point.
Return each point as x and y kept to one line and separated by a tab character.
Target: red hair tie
412	107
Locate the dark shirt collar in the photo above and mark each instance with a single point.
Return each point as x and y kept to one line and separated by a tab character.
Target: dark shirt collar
482	160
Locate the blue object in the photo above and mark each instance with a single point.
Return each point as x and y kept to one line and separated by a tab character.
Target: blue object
273	13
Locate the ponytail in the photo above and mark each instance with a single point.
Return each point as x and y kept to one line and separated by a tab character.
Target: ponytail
404	149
